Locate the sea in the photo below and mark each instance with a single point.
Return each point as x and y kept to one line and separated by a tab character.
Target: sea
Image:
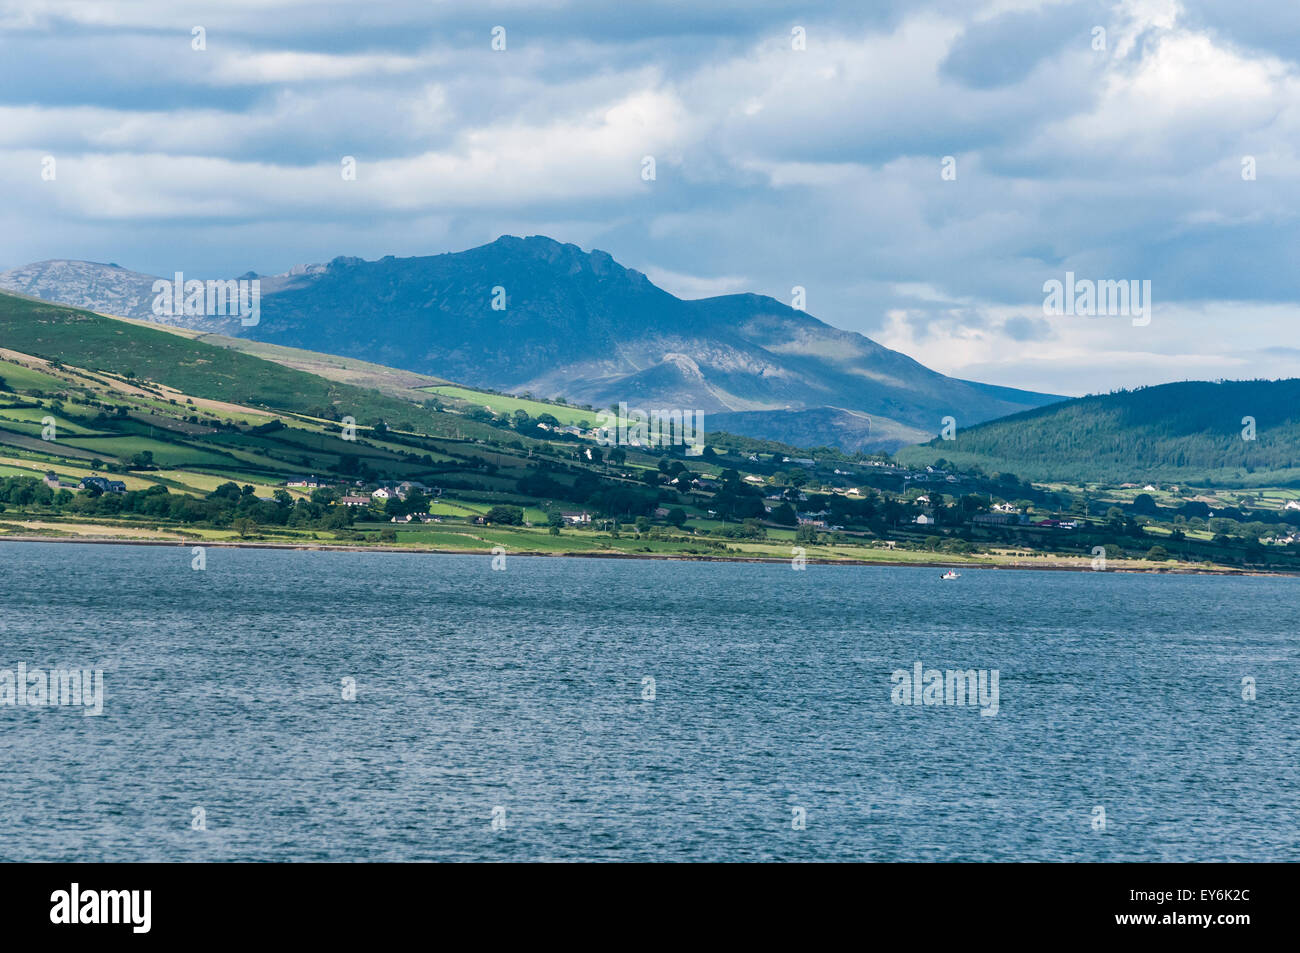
279	705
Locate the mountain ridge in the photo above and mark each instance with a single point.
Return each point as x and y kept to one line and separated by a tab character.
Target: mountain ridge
540	316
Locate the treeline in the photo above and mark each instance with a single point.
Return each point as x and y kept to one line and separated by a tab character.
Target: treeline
226	506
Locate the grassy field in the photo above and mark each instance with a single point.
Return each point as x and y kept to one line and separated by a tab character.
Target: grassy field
501	404
31	421
18	377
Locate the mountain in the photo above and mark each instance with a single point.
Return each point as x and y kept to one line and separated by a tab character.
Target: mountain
1187	432
110	289
579	325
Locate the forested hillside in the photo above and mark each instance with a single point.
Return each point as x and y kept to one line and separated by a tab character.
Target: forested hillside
1229	433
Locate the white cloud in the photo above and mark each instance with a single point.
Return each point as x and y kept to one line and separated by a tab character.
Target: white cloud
775	167
696	286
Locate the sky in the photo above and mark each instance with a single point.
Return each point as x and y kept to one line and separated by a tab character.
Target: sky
920	167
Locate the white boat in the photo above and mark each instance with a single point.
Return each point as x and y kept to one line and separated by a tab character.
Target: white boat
951	575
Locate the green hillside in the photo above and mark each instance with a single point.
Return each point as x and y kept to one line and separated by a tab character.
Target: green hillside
113	429
1189	432
135	350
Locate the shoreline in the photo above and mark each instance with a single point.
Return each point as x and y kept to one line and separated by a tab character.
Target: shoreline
671	557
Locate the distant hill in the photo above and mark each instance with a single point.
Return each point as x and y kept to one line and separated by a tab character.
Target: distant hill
820	426
108	289
1188	432
579	325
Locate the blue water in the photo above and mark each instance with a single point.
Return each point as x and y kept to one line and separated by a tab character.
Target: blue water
522	689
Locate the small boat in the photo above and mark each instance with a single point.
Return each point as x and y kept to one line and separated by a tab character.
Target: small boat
951	575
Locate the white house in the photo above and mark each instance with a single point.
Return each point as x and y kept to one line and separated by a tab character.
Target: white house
923	520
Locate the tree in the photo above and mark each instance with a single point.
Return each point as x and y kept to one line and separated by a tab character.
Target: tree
1157	554
244	527
226	491
677	517
1144	504
505	515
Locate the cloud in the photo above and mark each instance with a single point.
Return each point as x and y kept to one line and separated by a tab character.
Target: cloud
696	286
775	166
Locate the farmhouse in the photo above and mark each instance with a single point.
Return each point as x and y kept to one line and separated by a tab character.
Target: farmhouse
576	519
102	484
355	500
54	483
